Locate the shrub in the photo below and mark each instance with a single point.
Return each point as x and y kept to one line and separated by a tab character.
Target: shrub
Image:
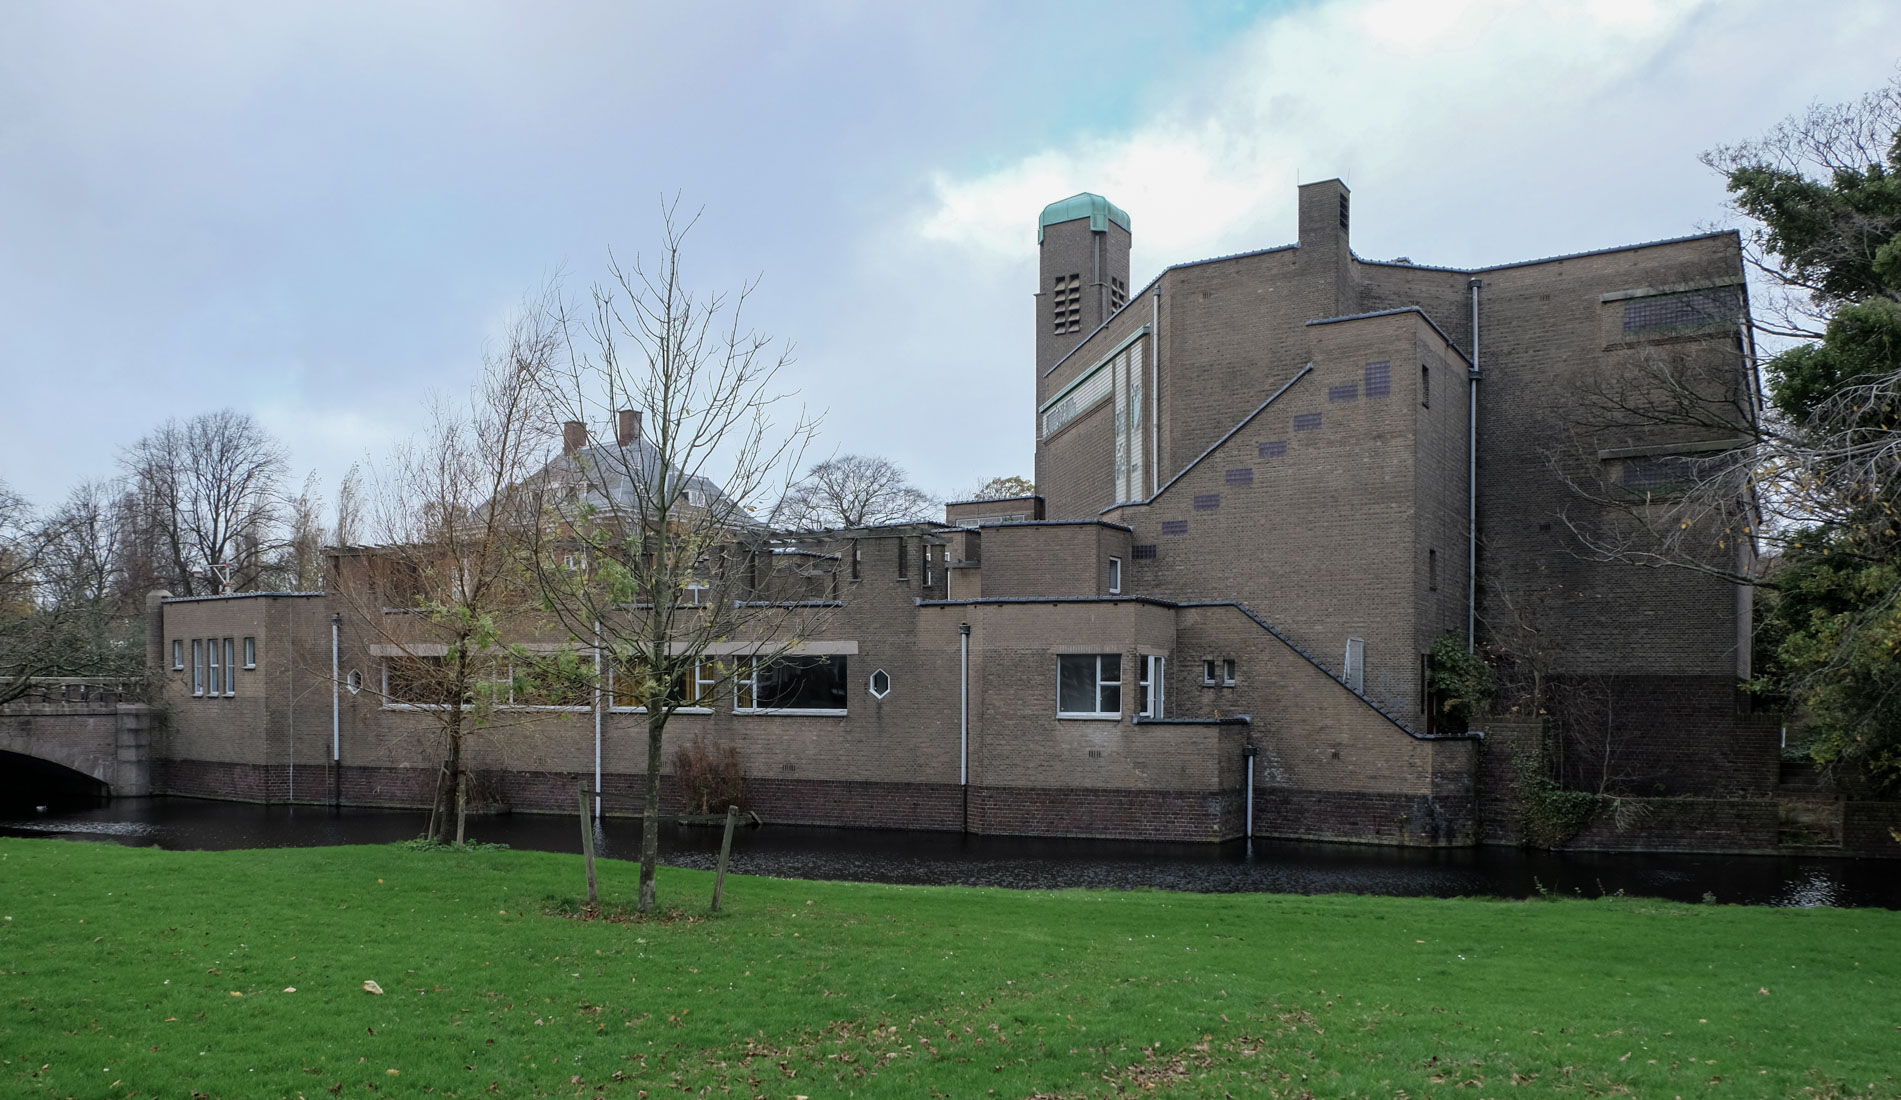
710	779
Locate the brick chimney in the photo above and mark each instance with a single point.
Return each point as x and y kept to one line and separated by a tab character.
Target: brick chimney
573	436
629	431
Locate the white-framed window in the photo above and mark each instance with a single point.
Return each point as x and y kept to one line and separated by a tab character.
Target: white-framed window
624	694
230	667
1227	672
178	654
1150	688
796	684
250	653
1354	670
1209	670
197	666
354	681
928	561
880	684
1089	685
1115	576
214	680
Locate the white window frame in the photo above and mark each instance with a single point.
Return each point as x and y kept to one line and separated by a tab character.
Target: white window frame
1353	669
250	652
1208	671
197	668
1151	690
1098	715
214	674
1227	672
230	668
178	654
751	683
1115	575
871	683
703	686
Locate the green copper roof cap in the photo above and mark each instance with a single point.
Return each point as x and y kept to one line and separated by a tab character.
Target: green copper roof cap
1098	210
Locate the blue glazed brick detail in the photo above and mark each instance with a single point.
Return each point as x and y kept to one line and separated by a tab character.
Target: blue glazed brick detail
1346	391
1142	550
1207	502
1174	527
1242	476
1306	422
1274	448
1379	379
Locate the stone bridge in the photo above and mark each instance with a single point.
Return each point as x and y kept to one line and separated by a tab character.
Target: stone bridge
84	729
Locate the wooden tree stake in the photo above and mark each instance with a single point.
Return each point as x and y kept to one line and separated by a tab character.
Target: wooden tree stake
725	849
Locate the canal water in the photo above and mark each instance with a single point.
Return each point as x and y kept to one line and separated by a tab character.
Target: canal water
930	858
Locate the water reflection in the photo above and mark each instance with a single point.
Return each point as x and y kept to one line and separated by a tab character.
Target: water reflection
924	858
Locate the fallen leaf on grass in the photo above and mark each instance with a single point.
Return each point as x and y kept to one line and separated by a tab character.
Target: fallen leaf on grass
235	993
290	989
372	987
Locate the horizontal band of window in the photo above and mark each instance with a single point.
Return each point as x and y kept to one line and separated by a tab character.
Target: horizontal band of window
643	710
1660	450
1673	288
500	706
800	712
1090	715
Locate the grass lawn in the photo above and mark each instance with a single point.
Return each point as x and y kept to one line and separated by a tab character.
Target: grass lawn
138	972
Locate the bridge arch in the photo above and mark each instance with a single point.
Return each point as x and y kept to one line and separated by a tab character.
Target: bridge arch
30	781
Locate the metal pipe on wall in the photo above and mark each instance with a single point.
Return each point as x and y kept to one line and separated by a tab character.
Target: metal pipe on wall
336	708
1247	758
1472	478
1155	389
963	717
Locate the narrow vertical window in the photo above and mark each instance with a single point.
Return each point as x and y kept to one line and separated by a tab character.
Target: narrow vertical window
1115	576
1354	672
197	666
1227	672
904	558
250	653
230	667
1208	671
1425	385
744	683
705	678
857	560
1149	688
1432	570
178	654
924	550
214	682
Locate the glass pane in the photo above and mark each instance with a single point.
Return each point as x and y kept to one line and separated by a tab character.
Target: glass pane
803	683
1075	683
1111	699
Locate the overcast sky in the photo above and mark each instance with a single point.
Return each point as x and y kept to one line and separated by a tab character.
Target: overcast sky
321	213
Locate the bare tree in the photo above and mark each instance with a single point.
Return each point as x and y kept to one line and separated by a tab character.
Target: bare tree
851	491
299	565
445	593
655	558
349	528
1003	488
208	492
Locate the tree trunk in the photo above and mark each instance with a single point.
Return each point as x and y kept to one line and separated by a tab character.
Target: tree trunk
650	814
445	792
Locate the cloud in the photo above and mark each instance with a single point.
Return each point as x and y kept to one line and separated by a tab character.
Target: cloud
1414	98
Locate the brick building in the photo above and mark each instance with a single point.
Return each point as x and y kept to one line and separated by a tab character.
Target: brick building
1268	483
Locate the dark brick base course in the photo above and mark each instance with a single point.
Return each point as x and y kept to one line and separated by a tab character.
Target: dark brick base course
1125	814
1373	817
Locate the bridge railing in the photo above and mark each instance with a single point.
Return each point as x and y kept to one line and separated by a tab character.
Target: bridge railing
97	690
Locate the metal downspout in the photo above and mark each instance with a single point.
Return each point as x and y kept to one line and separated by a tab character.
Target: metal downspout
336	710
1472	478
963	717
1247	758
1155	390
